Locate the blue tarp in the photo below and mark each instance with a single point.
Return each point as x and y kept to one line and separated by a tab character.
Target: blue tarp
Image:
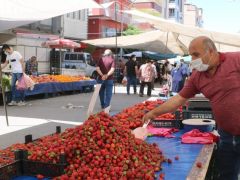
172	147
55	87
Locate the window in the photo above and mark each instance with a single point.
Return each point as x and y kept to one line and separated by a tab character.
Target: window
171	12
79	12
83	14
80	58
73	57
67	56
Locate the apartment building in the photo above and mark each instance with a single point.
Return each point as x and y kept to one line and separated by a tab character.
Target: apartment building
193	15
108	21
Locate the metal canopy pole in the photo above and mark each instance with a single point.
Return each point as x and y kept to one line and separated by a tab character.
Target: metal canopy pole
3	94
116	45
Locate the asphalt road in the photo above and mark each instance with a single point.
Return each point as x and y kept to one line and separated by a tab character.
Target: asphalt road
69	107
62	108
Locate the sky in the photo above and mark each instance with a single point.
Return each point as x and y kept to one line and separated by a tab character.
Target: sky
220	15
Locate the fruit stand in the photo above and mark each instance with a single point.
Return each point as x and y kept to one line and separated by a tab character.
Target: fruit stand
104	148
51	84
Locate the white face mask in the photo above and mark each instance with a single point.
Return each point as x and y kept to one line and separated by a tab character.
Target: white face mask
199	65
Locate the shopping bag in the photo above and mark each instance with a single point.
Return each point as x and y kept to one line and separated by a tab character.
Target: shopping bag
124	81
25	82
29	82
21	84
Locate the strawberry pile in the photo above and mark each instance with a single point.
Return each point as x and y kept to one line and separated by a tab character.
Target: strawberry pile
102	148
132	117
109	151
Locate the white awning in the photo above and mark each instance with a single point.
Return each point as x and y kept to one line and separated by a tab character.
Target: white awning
156	41
14	13
186	33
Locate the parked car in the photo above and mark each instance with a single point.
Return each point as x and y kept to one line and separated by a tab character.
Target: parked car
78	63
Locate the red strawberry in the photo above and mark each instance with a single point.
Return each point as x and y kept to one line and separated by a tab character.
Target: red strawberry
199	164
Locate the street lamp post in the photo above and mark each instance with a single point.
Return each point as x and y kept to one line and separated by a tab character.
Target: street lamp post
116	42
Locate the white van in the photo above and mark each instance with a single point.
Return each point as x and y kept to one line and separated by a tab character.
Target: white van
78	63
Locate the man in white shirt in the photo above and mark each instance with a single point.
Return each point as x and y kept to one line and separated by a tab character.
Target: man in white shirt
17	65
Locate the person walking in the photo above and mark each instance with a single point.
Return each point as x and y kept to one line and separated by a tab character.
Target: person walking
17	65
146	72
131	71
105	69
216	75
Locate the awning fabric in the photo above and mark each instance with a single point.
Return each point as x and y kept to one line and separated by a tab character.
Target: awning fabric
14	13
156	41
184	33
61	44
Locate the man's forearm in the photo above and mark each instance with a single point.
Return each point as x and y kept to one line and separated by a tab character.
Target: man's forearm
170	106
99	71
110	72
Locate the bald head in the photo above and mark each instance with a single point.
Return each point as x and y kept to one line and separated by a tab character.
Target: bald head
204	42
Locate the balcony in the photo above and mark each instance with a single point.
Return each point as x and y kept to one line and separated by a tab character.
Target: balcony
109	13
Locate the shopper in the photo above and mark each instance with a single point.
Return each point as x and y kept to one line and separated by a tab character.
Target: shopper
105	69
17	65
31	67
131	71
146	72
185	73
155	74
177	77
217	76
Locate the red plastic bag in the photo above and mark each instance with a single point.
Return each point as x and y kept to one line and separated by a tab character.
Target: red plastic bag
197	137
162	132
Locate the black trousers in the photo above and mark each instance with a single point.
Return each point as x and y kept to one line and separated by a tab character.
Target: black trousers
149	88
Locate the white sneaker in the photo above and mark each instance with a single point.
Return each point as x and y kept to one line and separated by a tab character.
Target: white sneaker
12	103
21	103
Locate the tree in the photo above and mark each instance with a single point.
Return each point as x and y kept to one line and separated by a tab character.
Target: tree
131	30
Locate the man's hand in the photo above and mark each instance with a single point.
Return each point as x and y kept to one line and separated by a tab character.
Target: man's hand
148	116
104	77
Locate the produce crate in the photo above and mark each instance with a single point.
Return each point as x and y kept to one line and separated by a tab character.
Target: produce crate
23	166
168	123
188	114
32	168
9	171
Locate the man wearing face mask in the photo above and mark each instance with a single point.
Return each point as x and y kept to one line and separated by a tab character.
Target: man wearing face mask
217	76
17	64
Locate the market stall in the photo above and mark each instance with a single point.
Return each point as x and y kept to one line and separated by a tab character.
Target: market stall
55	87
104	146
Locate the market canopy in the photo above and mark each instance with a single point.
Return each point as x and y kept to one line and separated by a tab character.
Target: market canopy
156	41
151	55
14	13
184	33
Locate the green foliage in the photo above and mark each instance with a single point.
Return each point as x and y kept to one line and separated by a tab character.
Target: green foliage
131	30
6	83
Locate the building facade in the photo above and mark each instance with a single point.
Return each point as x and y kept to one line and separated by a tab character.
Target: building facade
193	15
28	39
173	10
108	21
